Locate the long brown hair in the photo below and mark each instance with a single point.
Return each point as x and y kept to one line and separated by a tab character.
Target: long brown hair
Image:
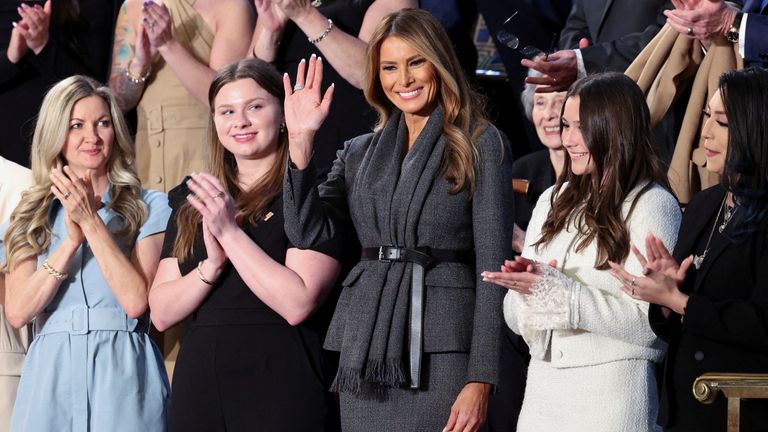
251	203
615	123
464	109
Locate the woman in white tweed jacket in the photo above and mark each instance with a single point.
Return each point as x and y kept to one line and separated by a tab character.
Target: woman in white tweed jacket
592	350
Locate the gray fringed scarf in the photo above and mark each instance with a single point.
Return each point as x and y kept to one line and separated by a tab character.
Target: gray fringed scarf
370	326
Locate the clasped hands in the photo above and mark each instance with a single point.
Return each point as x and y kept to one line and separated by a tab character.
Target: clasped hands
701	19
520	274
217	207
277	12
31	32
77	197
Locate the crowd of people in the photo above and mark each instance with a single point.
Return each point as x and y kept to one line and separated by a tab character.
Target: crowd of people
314	191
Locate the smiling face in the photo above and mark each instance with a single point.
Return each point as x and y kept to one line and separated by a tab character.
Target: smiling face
247	119
573	140
90	136
408	79
546	118
715	134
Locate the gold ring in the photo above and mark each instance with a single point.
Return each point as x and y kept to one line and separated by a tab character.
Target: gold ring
66	195
219	195
632	282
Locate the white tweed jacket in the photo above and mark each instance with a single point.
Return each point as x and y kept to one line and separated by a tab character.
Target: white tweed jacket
597	322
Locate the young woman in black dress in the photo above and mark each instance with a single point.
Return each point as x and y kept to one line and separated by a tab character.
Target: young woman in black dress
251	360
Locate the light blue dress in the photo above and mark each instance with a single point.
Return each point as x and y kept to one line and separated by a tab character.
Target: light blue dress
90	366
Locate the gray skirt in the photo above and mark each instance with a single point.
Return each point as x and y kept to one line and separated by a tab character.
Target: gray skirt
404	409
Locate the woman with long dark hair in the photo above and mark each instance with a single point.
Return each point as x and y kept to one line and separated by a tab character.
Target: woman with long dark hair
592	351
712	307
252	357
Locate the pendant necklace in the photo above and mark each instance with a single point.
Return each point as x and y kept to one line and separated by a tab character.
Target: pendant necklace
729	212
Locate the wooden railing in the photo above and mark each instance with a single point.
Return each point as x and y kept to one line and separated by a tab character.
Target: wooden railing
735	387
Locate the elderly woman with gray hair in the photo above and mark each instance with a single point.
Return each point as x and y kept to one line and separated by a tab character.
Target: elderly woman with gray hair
537	171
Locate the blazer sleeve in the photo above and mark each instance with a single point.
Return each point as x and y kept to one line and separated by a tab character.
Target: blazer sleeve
316	214
616	55
742	323
756	42
575	28
492	210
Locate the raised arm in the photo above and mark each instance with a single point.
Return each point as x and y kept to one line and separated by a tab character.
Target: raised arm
232	20
345	52
131	56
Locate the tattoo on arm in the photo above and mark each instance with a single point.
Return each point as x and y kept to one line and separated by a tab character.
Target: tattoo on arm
126	91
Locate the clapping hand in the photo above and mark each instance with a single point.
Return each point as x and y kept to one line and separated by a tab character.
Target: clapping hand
78	199
270	14
34	25
157	23
518	275
294	8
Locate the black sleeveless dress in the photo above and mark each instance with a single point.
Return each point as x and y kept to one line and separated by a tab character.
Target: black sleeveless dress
241	365
350	115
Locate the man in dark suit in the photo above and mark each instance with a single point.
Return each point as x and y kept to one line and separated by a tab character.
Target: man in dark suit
704	18
600	35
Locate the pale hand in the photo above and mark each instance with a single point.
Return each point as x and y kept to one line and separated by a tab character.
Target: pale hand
76	195
305	109
214	203
270	15
34	25
157	24
17	46
294	8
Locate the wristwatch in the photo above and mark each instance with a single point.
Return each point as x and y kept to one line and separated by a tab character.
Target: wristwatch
733	33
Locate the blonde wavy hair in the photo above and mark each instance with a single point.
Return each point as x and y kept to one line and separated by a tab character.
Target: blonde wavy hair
464	109
29	231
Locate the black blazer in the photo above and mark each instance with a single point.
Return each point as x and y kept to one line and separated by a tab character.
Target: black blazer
725	328
617	30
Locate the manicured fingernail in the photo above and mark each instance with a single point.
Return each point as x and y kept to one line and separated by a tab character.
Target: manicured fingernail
313	55
319	59
303	60
14	24
24	6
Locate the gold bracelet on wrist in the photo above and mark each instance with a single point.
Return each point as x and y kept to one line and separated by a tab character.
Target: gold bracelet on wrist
201	275
137	79
328	29
53	272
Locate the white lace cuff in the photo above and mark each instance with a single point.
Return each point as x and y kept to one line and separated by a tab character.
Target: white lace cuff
553	302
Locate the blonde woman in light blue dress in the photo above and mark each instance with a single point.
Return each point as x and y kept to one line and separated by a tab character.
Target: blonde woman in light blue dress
79	254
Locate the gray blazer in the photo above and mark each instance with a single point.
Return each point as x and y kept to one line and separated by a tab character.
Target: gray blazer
462	313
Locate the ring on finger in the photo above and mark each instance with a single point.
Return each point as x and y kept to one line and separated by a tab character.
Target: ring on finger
67	194
298	87
219	195
632	282
633	290
690	31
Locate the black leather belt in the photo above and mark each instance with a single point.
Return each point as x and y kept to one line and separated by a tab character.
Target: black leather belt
422	259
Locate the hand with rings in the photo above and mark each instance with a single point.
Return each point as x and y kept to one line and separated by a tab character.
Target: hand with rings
156	20
78	199
655	287
305	108
215	205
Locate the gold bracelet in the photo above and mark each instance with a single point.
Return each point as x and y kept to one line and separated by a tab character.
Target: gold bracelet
317	40
201	275
53	272
137	79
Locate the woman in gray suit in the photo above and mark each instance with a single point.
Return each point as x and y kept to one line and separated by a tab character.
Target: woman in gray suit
428	194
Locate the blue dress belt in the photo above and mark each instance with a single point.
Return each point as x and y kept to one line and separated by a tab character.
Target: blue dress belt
422	259
78	322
